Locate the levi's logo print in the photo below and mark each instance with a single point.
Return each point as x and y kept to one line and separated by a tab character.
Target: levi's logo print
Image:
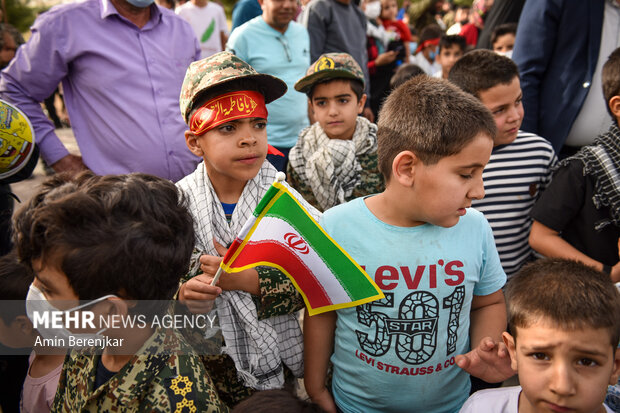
406	323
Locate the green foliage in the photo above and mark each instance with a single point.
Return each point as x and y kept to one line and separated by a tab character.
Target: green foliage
20	14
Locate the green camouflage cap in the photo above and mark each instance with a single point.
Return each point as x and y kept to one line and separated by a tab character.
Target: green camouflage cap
219	69
330	66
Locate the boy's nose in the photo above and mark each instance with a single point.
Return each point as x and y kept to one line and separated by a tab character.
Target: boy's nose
561	381
477	190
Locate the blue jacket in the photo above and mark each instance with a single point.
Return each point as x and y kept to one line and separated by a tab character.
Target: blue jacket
556	50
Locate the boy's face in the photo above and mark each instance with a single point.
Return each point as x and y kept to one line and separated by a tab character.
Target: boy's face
504	43
443	190
448	56
504	102
563	371
389	9
335	107
233	151
54	285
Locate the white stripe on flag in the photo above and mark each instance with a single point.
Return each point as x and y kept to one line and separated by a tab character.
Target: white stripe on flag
276	229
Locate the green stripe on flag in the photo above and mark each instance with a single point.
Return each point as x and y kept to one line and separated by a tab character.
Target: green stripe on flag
262	204
352	279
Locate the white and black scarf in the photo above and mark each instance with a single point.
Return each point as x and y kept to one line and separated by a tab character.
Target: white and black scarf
330	166
258	347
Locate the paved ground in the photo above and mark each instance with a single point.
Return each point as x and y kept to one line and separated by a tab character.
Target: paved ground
25	189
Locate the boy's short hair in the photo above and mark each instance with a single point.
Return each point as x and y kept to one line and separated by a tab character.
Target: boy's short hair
129	235
218	70
610	77
430	117
430	34
329	67
566	293
481	69
405	72
15	279
447	41
503	29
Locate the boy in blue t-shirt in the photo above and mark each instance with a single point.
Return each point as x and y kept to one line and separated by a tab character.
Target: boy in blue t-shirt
433	257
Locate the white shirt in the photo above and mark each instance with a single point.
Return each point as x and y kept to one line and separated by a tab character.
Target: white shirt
208	22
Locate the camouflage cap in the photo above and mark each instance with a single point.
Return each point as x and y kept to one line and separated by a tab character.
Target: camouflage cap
219	69
330	66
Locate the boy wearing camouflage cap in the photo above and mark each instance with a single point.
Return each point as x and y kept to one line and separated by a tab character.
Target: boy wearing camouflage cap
335	159
223	102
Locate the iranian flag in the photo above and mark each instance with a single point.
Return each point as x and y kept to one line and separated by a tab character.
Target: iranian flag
282	234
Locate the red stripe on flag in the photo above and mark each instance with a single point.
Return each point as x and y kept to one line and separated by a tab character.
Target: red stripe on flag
277	253
231	251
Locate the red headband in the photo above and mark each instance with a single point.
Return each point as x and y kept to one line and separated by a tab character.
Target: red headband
227	107
430	42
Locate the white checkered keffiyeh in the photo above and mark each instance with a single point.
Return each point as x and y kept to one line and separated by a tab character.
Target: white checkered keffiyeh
258	347
602	162
330	166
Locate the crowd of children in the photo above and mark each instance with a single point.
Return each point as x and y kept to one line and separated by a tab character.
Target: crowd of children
435	202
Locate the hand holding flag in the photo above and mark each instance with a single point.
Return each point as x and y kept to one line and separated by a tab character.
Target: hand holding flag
282	234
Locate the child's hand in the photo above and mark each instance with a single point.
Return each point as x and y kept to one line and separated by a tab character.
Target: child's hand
198	294
489	361
386	58
325	400
209	264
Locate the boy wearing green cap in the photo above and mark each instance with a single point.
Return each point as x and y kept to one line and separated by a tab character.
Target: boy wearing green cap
335	159
223	102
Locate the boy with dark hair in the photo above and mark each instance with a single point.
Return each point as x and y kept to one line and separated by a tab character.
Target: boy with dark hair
578	217
503	38
223	102
335	159
431	254
42	370
426	53
563	317
521	162
404	73
451	49
115	241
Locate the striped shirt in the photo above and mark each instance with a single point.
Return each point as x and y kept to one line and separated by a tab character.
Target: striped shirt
513	180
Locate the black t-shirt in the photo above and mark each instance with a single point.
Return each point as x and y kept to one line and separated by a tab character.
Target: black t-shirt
103	374
566	206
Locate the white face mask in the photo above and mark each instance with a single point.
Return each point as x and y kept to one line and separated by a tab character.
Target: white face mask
373	10
507	54
36	302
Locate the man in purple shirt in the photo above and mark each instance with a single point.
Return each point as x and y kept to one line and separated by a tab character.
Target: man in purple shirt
121	63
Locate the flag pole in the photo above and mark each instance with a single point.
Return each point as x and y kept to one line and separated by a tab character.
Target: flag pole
280	177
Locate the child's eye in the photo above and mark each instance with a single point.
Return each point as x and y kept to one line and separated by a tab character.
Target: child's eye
320	103
539	356
260	125
466	176
344	100
587	362
499	111
226	128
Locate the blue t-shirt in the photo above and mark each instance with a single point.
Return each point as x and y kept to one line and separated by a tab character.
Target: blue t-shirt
397	354
286	56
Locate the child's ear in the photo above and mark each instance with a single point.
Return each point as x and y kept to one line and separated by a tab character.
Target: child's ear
509	341
361	103
24	324
404	168
613	380
191	141
614	106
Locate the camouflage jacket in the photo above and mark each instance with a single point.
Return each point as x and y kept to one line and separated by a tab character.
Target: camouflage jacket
371	181
164	377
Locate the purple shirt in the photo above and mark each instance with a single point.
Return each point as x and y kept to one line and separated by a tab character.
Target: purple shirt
121	86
